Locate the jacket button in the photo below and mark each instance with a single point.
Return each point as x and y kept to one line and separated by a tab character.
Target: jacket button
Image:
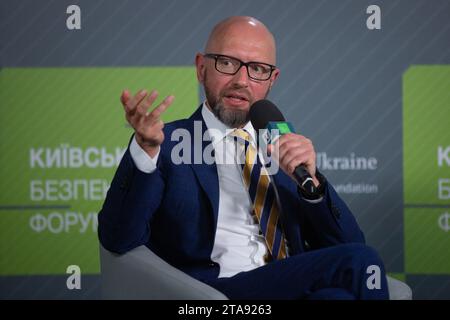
336	211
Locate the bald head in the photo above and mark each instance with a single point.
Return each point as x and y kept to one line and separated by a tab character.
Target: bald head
233	32
230	92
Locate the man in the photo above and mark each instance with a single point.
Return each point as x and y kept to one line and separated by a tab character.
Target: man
209	221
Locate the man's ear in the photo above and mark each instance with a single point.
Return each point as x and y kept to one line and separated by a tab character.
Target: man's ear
200	64
274	76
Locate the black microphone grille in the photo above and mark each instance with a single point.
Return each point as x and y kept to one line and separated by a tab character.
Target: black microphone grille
263	111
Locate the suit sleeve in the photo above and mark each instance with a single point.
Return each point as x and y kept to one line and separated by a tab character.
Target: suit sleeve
329	222
132	200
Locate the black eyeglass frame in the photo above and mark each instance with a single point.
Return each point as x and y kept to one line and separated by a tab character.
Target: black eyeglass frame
242	63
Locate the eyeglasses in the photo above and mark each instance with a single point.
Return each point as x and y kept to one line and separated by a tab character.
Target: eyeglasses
229	65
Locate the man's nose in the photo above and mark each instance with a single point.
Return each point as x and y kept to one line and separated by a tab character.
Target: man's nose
241	77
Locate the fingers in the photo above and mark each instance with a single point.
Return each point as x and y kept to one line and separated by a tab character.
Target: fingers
293	150
159	110
293	159
147	125
137	110
145	103
131	103
141	103
292	137
125	97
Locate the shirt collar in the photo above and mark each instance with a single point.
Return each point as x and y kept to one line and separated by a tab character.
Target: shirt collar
218	129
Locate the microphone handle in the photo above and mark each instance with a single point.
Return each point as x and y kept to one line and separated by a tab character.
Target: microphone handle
304	180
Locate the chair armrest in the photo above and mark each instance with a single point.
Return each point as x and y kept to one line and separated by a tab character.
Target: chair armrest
398	290
141	274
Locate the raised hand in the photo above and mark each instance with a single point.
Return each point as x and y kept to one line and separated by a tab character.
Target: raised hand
147	125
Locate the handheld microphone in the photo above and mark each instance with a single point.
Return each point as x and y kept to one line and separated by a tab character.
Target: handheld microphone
265	115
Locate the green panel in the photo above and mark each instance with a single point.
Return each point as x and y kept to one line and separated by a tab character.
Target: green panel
427	245
426	128
65	109
426	125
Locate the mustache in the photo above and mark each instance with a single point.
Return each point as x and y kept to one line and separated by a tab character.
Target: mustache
241	93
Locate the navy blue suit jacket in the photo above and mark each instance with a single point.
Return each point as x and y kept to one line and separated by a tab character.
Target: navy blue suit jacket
174	210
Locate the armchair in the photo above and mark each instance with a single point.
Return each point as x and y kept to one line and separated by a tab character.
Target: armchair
141	274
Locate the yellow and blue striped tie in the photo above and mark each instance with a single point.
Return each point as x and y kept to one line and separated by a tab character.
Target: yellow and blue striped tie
262	195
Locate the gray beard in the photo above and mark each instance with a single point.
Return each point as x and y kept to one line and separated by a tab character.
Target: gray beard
231	118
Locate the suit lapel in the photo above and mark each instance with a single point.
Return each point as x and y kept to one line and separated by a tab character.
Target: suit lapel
205	173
